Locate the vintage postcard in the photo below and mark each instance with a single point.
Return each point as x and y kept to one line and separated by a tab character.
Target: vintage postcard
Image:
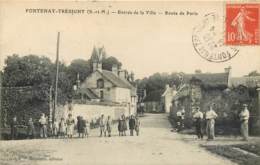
129	83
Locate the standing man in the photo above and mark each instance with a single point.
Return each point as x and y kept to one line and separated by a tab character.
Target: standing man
137	125
102	124
210	117
109	126
198	116
14	125
132	125
244	117
43	126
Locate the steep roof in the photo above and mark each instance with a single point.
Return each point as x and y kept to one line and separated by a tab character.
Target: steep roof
115	80
208	78
89	93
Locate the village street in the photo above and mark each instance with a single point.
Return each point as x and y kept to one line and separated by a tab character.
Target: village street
156	145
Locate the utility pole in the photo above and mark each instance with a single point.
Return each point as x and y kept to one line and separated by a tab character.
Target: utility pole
51	119
57	76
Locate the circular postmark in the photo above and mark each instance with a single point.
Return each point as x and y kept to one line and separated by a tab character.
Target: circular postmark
208	40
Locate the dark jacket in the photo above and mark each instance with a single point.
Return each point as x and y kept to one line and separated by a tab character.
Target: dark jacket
131	123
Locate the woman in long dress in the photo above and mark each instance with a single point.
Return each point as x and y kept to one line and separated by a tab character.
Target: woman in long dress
124	125
62	128
120	126
70	126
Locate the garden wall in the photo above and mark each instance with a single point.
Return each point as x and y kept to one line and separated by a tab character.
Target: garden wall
92	111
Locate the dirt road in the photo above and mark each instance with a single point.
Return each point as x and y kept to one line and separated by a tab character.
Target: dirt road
155	145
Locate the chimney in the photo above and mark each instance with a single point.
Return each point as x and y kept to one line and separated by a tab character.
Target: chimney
123	74
228	69
132	76
115	69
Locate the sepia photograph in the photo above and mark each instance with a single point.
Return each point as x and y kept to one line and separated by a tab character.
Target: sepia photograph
129	82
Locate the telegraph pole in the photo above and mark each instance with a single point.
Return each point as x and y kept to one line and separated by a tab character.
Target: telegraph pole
57	76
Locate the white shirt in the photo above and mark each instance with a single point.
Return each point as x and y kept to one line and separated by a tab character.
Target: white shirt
244	115
211	114
198	115
43	120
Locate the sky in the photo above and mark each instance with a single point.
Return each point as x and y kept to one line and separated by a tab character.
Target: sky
145	44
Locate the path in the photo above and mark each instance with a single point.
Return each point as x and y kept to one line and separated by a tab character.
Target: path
156	145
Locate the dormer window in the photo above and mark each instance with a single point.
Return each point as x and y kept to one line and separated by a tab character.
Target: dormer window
100	83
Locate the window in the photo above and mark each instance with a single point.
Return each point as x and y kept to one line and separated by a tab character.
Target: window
100	83
101	95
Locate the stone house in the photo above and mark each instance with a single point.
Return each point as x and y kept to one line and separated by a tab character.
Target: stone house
108	86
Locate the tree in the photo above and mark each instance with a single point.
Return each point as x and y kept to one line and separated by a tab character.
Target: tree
81	67
109	62
155	84
254	73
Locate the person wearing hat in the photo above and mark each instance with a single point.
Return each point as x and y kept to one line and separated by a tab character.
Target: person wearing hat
210	117
198	116
244	117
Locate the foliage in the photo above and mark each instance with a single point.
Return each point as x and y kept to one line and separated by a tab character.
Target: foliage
27	82
254	73
81	67
109	62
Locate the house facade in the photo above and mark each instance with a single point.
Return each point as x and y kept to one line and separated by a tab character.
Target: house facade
108	86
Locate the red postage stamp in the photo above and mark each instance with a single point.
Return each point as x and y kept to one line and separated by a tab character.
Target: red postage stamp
242	24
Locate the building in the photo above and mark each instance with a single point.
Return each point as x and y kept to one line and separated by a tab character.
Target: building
201	90
108	86
167	97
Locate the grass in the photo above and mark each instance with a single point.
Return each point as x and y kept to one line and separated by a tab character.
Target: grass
24	155
254	148
237	156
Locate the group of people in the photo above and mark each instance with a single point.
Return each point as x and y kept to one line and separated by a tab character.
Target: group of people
66	127
210	117
61	128
106	125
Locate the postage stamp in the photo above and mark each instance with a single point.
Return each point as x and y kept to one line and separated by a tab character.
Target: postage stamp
242	24
208	39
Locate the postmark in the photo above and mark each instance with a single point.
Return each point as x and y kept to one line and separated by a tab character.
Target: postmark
242	24
208	40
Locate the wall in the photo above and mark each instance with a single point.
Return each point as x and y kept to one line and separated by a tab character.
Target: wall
92	111
123	95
